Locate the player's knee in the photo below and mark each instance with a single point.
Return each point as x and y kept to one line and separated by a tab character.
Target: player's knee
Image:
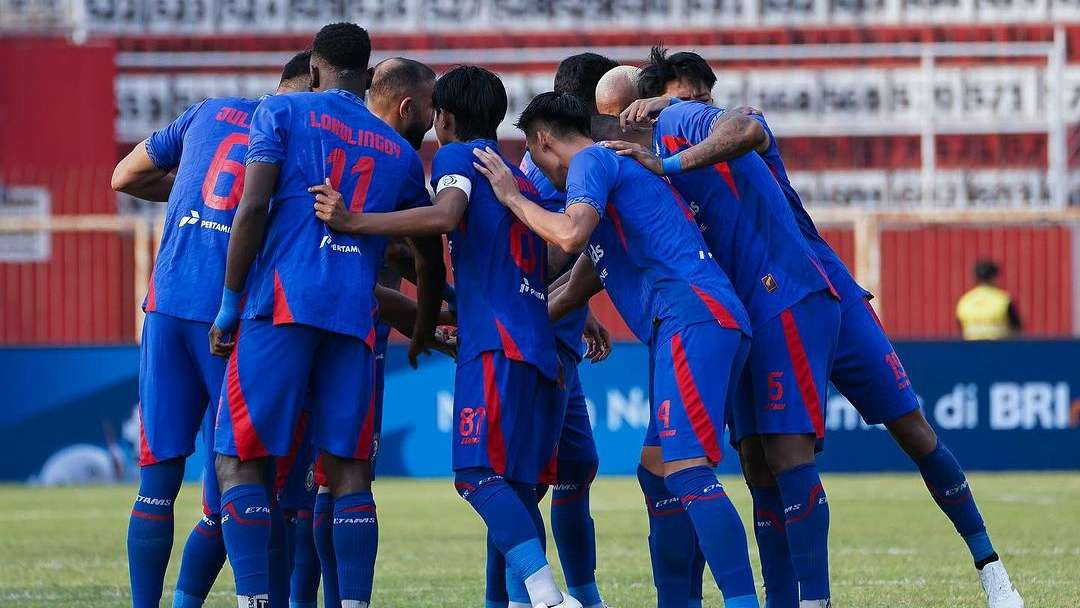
232	472
914	434
652	459
347	475
785	452
670	468
754	466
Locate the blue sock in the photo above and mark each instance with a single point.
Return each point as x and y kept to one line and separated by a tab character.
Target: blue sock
697	576
530	496
356	543
204	555
150	530
511	526
781	585
672	542
806	519
322	531
720	533
947	484
495	595
573	530
304	582
279	555
246	527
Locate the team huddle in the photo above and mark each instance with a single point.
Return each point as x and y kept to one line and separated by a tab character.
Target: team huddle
292	221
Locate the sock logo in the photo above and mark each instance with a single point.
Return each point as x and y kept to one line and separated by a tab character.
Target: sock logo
153	502
354	520
251	510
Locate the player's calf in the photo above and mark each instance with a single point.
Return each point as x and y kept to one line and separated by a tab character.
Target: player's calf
246	526
719	529
150	530
322	530
355	527
573	529
672	542
777	572
512	530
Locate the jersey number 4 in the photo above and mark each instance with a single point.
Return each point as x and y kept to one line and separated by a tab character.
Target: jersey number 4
364	166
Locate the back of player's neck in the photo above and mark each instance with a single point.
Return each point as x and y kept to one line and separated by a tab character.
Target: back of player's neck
354	86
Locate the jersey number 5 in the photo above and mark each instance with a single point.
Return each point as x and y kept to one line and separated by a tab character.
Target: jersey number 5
365	166
222	164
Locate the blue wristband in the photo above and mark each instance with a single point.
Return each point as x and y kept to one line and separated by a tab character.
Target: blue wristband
228	316
672	164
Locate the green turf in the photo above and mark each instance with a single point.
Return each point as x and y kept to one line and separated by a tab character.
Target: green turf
891	547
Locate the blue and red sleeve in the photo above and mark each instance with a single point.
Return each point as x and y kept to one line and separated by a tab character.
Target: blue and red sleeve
269	131
453	159
164	147
591	178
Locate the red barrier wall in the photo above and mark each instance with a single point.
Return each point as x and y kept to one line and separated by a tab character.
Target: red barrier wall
57	109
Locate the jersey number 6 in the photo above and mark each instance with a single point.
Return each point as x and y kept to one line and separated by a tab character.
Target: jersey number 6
222	164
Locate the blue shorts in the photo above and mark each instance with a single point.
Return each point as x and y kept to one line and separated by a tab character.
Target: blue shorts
694	372
274	369
867	370
294	480
507	417
178	379
576	458
784	387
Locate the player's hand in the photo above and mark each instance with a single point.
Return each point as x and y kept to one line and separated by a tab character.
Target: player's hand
597	340
642	111
446	340
330	207
221	342
491	165
748	111
639	153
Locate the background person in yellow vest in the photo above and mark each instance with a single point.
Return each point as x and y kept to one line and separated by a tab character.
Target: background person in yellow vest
987	312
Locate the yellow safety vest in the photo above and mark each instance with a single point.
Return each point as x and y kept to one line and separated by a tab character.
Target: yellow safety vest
983	313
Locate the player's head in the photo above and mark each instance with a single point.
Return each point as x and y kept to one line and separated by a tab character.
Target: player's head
400	94
470	102
296	75
617	89
339	57
578	74
986	271
556	127
685	75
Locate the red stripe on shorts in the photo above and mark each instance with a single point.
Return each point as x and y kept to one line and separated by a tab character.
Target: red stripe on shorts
248	444
804	375
692	403
146	456
367	432
496	444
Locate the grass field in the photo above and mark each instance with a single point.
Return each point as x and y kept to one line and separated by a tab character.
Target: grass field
891	547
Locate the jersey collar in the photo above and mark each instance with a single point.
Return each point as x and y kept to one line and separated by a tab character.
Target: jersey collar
484	142
353	97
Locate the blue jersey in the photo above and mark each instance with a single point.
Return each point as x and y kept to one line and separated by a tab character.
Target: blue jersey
306	273
743	216
646	230
568	329
499	267
206	146
839	275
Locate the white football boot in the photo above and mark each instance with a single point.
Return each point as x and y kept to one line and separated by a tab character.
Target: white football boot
567	602
1000	592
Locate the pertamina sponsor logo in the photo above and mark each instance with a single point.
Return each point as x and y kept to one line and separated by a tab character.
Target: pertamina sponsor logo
195	219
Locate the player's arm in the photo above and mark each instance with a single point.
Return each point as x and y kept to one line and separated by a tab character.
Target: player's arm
399	256
732	135
582	285
138	176
569	230
248	230
440	218
430	284
597	339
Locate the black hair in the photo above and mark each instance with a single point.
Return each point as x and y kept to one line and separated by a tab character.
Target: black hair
399	77
986	270
578	74
345	46
662	69
477	99
563	113
298	66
